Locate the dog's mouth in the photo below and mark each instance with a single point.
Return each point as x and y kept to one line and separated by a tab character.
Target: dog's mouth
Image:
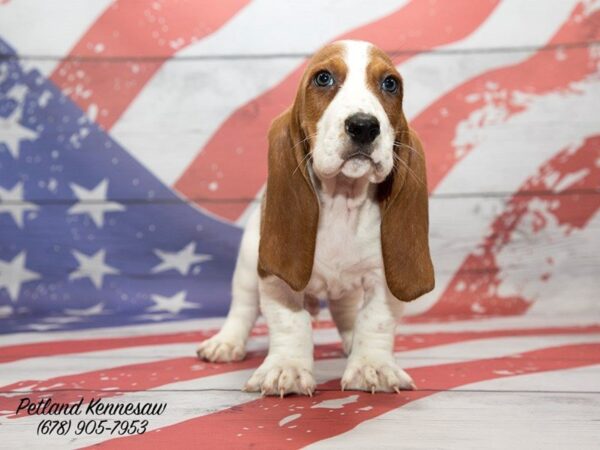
358	164
359	156
359	153
355	162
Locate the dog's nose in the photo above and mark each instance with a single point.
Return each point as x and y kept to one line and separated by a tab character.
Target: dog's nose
362	128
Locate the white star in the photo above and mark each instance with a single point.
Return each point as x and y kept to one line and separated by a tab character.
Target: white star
92	267
181	260
12	132
173	304
93	202
13	274
11	202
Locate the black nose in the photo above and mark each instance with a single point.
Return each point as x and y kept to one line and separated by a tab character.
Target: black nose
362	128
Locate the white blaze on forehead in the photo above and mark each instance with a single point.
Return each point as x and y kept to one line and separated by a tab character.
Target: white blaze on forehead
356	57
354	96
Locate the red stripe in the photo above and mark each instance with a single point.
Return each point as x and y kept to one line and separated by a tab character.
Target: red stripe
244	133
256	424
134	29
17	352
476	289
500	88
139	377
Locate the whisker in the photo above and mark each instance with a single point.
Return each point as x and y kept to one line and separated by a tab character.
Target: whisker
306	158
410	171
402	145
304	140
308	155
404	132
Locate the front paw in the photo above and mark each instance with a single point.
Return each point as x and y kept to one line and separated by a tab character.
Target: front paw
375	374
220	348
281	376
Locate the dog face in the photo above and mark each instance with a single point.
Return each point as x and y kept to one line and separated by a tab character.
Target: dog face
350	103
347	119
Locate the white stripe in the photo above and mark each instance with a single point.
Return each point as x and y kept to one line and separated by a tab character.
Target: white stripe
429	76
485	324
501	323
572	283
494	420
505	154
195	98
34	27
185	405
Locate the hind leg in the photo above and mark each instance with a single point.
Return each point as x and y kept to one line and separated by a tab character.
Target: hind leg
229	344
343	312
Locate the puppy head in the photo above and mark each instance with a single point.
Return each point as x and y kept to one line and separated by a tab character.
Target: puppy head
347	119
349	108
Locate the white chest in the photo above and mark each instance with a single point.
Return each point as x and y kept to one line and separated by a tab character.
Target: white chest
348	249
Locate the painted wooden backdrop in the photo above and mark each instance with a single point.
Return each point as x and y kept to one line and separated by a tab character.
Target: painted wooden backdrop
133	146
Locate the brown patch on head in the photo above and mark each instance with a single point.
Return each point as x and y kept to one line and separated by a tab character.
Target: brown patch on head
312	100
379	68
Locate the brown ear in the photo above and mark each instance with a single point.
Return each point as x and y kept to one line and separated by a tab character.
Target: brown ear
405	221
290	212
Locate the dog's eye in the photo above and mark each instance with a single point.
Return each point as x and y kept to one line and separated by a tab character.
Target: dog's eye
390	84
324	79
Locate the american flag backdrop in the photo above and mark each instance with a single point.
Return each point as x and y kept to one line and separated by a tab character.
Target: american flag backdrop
133	147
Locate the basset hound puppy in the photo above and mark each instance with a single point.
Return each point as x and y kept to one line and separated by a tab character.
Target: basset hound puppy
344	218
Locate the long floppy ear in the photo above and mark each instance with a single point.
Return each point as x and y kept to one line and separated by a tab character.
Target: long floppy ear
290	214
405	221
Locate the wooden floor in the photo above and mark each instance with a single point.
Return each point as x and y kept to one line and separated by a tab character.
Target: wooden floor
495	383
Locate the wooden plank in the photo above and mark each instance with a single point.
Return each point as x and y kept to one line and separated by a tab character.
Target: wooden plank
449	233
553	410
